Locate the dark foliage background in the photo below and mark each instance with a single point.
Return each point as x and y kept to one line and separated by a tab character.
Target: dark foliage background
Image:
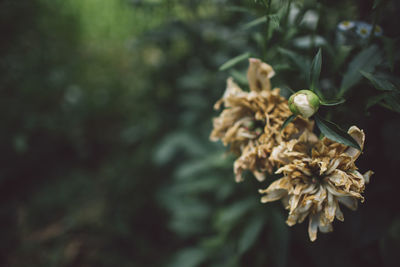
105	112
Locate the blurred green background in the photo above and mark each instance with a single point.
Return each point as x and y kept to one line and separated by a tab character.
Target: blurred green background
105	112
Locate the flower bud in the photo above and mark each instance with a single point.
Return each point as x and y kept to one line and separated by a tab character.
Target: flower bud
304	103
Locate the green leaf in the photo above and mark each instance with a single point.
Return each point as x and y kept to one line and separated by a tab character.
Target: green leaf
372	101
315	71
302	63
189	257
287	121
239	77
254	23
238	9
366	60
278	239
379	82
389	45
332	102
333	132
229	216
171	145
233	61
393	101
250	234
274	20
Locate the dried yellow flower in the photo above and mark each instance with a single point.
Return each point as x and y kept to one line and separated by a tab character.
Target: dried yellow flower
251	121
317	176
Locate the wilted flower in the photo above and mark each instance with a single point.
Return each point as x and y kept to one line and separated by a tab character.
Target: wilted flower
256	155
304	103
243	118
318	175
251	121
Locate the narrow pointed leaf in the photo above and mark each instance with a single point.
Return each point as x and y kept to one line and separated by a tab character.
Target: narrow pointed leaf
379	82
285	87
274	20
238	9
250	234
366	60
332	102
239	77
232	62
372	101
255	22
315	71
393	101
333	132
302	63
287	121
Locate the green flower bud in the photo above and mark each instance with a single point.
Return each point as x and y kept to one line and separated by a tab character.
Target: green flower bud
304	103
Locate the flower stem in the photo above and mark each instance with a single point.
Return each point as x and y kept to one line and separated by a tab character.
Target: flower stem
268	10
374	22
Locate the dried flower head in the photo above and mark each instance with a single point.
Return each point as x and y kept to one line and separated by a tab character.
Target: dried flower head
251	121
317	176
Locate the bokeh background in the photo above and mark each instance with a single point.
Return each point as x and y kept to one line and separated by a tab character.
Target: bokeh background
105	113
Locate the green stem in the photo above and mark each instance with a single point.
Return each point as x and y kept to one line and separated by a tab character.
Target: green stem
268	8
374	22
286	19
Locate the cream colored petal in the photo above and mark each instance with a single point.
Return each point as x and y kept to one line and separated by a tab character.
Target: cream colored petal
278	155
349	202
299	188
297	216
313	227
293	202
285	202
260	176
311	189
274	195
359	136
334	191
326	228
302	216
330	208
320	195
367	176
259	74
333	165
338	177
238	176
339	213
232	89
292	219
280	184
356	181
304	210
323	166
